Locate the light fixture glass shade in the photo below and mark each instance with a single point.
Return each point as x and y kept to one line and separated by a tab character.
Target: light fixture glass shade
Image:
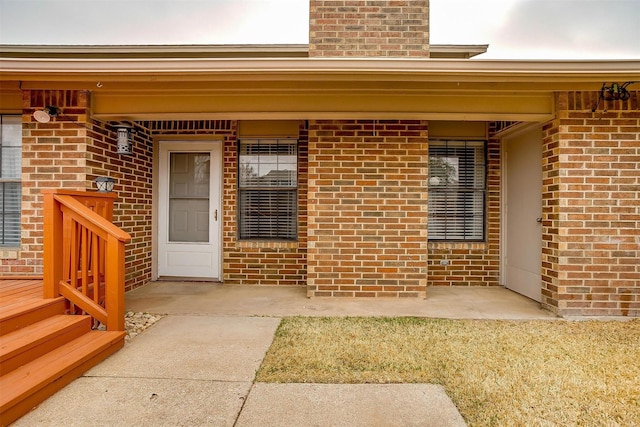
44	115
41	116
104	184
124	140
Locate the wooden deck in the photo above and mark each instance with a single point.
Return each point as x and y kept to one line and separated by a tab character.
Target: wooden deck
18	290
42	347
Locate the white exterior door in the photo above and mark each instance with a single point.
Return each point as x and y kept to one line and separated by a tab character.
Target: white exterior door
522	210
189	214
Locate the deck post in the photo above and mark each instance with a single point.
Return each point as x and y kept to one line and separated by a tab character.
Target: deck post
114	284
53	245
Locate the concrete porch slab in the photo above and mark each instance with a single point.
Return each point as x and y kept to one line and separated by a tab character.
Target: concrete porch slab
280	301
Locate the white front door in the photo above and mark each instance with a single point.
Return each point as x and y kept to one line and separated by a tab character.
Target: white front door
522	211
189	214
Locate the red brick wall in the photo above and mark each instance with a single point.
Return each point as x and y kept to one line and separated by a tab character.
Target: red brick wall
265	262
133	184
357	28
69	152
250	262
473	264
53	156
591	228
368	208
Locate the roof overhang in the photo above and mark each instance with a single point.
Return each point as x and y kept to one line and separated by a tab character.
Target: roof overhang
155	51
460	51
451	51
294	88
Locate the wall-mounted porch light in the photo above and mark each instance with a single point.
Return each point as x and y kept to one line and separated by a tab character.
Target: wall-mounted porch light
104	184
44	115
614	92
124	139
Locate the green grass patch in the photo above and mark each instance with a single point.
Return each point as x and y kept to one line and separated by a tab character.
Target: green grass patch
496	372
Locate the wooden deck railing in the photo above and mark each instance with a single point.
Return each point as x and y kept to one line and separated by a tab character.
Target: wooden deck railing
84	254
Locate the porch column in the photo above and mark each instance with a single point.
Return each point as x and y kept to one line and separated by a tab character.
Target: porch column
590	207
367	221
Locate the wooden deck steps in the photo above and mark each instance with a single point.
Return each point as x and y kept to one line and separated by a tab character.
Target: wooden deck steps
33	341
41	348
31	311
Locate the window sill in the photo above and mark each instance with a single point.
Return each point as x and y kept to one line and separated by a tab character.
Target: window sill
9	252
268	244
457	245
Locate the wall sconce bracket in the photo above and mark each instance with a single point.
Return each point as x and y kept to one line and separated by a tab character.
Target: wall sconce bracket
124	134
615	92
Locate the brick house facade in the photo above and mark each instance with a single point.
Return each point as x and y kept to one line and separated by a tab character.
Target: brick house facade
364	124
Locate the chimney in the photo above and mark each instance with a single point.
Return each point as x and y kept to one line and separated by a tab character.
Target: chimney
369	28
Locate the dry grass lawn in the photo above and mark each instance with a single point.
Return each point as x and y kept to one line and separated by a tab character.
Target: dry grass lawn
504	373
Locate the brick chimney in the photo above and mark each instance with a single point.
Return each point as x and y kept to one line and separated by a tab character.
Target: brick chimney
367	28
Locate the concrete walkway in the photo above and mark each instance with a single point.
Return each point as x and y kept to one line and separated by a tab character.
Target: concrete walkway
196	366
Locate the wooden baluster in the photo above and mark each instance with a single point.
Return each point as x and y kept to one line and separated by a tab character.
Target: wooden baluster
84	261
103	258
73	249
95	262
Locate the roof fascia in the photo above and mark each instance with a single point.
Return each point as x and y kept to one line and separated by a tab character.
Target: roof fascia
202	51
524	69
154	51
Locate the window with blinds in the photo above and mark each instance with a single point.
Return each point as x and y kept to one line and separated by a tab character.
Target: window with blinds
457	187
268	189
10	180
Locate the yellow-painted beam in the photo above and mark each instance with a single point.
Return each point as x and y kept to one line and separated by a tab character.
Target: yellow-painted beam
10	98
347	105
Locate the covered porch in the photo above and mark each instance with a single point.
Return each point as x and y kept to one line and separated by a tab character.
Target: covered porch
377	117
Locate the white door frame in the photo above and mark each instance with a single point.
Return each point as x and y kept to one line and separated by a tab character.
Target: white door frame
520	130
164	147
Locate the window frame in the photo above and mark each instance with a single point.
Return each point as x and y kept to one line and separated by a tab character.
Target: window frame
11	180
459	194
291	190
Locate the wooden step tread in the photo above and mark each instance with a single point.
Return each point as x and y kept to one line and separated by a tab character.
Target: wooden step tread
27	312
26	380
16	305
26	344
16	291
26	304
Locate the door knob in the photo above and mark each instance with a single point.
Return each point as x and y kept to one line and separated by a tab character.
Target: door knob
539	220
215	215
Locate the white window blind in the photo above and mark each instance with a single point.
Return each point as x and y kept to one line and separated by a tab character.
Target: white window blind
267	189
10	180
457	187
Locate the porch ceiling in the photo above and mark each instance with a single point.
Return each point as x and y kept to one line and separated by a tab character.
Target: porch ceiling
307	88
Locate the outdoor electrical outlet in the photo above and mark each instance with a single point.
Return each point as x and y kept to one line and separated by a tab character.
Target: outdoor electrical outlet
444	262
